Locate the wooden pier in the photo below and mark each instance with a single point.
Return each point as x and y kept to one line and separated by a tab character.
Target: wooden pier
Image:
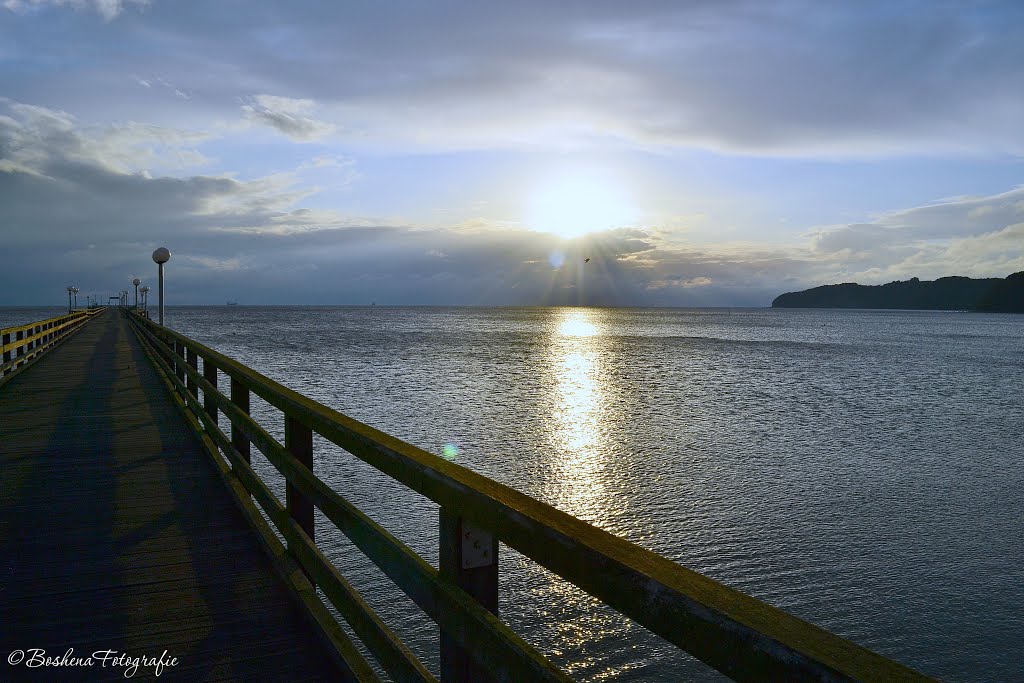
119	533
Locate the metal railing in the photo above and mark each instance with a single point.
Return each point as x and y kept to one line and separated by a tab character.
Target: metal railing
740	636
22	344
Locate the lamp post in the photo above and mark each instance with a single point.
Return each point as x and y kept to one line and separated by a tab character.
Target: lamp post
136	281
74	290
70	289
160	257
145	301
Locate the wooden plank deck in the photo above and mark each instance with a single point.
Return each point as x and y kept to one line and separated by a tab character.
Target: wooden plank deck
116	532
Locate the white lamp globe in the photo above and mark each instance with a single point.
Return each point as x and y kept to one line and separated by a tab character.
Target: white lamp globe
161	255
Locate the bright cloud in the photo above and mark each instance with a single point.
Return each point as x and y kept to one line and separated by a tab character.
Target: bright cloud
35	136
108	9
977	236
289	116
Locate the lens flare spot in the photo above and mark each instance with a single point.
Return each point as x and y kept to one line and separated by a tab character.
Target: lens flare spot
556	259
450	451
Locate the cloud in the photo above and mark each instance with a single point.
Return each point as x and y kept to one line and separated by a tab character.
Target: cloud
60	179
33	137
74	205
108	9
338	172
976	236
206	262
67	214
289	116
788	78
148	83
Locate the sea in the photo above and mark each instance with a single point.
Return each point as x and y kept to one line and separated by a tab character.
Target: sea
862	470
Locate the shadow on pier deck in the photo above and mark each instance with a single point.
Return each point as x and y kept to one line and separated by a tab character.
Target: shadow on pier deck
117	533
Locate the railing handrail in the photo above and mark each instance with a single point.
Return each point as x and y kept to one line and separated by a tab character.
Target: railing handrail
63	317
737	634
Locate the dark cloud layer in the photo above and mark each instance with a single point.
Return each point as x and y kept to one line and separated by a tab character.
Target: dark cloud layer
70	217
790	77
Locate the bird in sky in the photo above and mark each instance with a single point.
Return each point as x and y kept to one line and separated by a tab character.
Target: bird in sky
586	260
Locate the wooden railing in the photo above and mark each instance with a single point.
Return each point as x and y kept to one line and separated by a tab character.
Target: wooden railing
739	635
24	343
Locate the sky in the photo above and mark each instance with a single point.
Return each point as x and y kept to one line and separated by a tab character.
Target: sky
699	153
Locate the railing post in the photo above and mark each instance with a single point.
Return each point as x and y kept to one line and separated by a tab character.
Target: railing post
210	375
7	354
179	365
20	350
468	556
298	439
240	397
193	362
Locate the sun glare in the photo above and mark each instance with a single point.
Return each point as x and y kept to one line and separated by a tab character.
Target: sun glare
577	326
573	203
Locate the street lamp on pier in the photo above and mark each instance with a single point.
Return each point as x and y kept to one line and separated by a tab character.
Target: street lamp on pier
160	257
136	282
70	290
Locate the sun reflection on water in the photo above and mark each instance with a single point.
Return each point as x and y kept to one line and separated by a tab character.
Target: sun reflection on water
578	463
576	324
580	471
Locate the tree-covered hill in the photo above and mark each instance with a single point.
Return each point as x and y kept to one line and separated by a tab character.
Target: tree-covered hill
945	294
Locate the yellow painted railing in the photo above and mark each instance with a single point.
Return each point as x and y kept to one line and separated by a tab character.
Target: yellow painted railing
740	636
23	344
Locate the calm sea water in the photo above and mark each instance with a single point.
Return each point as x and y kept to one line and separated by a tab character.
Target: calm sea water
860	469
23	315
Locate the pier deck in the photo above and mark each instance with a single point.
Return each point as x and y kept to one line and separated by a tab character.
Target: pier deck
117	534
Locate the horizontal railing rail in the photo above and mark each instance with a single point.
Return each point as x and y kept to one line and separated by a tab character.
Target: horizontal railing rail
739	635
24	343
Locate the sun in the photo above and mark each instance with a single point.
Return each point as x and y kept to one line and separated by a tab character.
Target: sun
574	202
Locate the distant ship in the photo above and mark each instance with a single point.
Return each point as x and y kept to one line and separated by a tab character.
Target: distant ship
232	303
